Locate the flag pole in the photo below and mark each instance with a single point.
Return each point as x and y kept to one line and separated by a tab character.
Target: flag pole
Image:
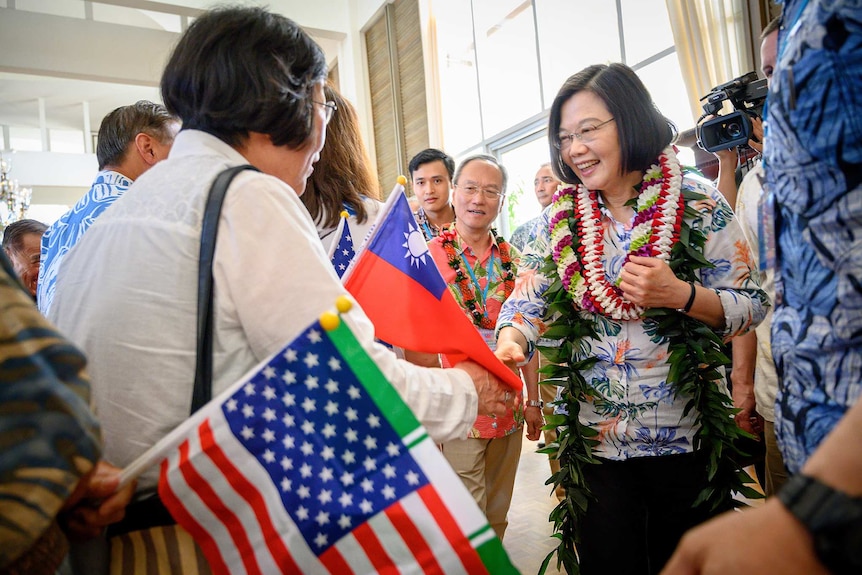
381	215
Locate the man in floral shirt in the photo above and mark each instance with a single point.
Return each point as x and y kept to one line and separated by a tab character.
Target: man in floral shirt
479	268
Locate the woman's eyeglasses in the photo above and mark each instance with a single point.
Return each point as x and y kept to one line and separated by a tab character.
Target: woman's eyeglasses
587	134
329	107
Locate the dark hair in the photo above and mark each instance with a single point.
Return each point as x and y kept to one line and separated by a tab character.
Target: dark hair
771	27
343	174
242	69
432	155
487	158
643	131
120	127
13	235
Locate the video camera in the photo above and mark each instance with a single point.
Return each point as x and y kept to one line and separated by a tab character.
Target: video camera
747	94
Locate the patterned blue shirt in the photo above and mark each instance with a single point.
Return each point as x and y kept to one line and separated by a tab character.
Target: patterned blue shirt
525	233
813	160
65	232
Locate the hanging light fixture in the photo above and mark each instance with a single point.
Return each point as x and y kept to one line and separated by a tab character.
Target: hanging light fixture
14	200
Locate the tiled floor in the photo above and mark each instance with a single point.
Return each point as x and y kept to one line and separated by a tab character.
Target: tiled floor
528	537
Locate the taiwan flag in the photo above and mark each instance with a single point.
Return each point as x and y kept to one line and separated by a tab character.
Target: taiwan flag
395	280
313	463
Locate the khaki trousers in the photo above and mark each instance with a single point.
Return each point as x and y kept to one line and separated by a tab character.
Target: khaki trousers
487	467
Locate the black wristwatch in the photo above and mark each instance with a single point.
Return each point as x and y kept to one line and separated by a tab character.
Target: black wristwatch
833	518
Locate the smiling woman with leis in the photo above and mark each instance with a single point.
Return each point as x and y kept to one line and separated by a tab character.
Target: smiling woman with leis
640	271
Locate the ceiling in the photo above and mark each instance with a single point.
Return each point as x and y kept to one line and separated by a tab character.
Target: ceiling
20	94
23	85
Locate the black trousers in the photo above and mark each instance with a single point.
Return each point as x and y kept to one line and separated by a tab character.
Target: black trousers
641	509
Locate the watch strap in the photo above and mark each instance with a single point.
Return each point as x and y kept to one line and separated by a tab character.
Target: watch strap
818	505
833	518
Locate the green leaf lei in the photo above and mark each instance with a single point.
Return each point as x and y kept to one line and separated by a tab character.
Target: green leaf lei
696	355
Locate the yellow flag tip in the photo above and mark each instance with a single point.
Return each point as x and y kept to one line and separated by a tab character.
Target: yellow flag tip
344	214
329	320
343	304
401	180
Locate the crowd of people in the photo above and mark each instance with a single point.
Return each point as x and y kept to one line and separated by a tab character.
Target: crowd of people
628	284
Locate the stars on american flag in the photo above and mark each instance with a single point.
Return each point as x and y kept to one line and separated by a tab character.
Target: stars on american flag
332	455
343	251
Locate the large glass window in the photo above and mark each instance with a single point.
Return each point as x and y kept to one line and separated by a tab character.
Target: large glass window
646	29
522	161
508	64
664	81
502	62
574	34
459	93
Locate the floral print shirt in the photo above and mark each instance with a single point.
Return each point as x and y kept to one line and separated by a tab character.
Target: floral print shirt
429	230
632	407
488	272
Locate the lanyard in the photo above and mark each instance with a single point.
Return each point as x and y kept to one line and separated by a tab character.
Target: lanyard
489	270
428	233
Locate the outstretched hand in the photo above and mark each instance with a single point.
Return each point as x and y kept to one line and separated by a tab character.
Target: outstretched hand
510	353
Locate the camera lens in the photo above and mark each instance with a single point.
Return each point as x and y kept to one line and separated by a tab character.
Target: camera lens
734	130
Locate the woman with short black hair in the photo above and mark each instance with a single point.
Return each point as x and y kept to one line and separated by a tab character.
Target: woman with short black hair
644	270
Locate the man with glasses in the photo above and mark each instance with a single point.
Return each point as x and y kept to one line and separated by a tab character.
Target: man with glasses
479	268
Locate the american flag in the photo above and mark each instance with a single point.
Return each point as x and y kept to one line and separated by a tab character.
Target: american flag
342	250
313	464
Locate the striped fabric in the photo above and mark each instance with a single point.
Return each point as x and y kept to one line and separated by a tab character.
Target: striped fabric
49	438
166	550
314	464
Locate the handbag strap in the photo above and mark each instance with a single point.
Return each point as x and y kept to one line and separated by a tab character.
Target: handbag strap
202	392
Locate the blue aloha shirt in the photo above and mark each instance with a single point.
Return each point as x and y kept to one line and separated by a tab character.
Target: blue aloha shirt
813	167
632	407
525	233
66	231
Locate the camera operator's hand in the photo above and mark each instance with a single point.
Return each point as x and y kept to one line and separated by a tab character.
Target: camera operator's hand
756	141
726	180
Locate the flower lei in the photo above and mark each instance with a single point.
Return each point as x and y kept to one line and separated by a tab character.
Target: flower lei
580	304
462	280
655	230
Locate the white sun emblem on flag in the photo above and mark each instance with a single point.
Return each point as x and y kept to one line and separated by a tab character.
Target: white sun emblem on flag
417	249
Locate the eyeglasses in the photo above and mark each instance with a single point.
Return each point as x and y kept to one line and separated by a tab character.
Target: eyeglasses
490	193
587	134
329	107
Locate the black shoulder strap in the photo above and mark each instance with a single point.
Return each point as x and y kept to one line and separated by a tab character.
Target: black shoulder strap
204	364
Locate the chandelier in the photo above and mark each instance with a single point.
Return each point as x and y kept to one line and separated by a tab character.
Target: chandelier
14	200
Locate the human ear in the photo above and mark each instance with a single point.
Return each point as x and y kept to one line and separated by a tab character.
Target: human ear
144	145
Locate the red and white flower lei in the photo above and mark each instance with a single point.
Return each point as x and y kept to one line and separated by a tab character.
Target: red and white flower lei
655	230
